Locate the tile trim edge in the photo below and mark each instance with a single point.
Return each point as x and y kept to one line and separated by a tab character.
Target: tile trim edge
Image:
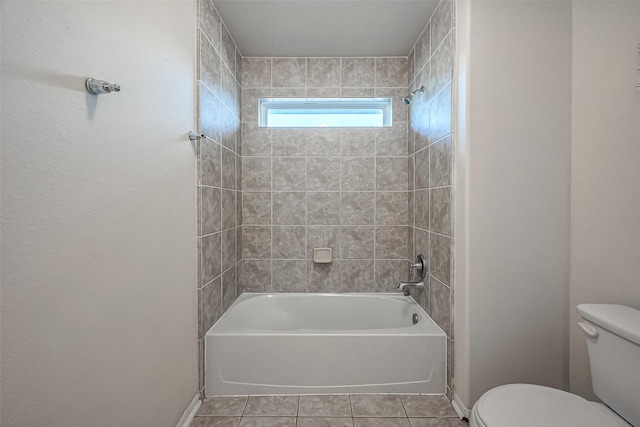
190	412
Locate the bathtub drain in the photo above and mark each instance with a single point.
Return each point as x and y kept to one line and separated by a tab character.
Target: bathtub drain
415	318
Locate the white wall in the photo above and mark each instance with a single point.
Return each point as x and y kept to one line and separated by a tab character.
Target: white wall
512	170
98	214
605	171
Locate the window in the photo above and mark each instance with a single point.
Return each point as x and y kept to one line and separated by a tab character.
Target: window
324	112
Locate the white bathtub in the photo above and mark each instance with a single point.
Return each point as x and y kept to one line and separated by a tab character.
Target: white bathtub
324	343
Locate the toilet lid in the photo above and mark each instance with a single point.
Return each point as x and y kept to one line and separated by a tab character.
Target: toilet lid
526	405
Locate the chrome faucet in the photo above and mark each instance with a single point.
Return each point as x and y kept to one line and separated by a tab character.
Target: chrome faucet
405	286
419	266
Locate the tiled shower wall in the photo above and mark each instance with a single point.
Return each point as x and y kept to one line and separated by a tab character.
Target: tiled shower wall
219	170
431	64
345	189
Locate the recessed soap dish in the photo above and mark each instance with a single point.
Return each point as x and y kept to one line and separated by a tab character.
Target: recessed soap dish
322	255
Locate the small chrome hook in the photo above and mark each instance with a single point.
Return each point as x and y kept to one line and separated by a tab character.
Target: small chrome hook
193	136
96	87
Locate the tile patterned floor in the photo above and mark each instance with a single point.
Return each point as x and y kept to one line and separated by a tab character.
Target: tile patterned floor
336	410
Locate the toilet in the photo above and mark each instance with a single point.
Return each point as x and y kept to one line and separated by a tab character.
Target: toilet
613	342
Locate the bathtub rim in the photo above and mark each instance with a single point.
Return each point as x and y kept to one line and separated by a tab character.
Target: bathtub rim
430	329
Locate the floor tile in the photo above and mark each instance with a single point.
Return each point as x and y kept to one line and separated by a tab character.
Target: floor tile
334	405
272	406
381	422
325	422
437	422
215	422
376	405
268	422
223	406
427	406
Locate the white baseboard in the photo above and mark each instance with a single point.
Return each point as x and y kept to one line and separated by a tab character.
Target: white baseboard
458	406
190	412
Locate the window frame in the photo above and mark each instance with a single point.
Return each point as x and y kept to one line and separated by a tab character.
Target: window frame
298	103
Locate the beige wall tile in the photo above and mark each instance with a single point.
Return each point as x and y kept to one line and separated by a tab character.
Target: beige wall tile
391	242
210	22
357	92
422	209
357	173
228	49
210	212
289	208
389	273
209	64
323	92
323	142
357	275
391	173
411	66
356	242
357	72
256	173
392	208
358	142
391	72
441	22
228	198
440	210
440	258
256	208
210	309
289	276
323	173
422	49
323	277
323	208
392	141
289	142
209	250
288	173
255	276
228	247
229	288
289	72
440	115
322	236
440	161
421	169
256	72
256	242
256	141
228	169
442	65
288	241
357	208
440	305
323	72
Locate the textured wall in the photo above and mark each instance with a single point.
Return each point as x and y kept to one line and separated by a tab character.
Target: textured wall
605	207
219	170
431	64
98	208
514	146
340	188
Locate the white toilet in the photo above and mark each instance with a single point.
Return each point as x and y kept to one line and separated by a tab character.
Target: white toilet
613	341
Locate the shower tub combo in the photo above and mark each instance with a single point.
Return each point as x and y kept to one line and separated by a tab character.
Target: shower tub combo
325	343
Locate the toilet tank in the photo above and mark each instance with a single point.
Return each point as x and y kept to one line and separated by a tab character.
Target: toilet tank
613	341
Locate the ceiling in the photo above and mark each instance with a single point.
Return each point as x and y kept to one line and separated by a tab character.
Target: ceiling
344	28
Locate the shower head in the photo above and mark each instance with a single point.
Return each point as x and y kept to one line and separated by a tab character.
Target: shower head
407	99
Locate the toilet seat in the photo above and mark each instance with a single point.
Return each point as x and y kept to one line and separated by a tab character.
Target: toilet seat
527	405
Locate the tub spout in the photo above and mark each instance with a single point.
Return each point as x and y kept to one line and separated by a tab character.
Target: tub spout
405	286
